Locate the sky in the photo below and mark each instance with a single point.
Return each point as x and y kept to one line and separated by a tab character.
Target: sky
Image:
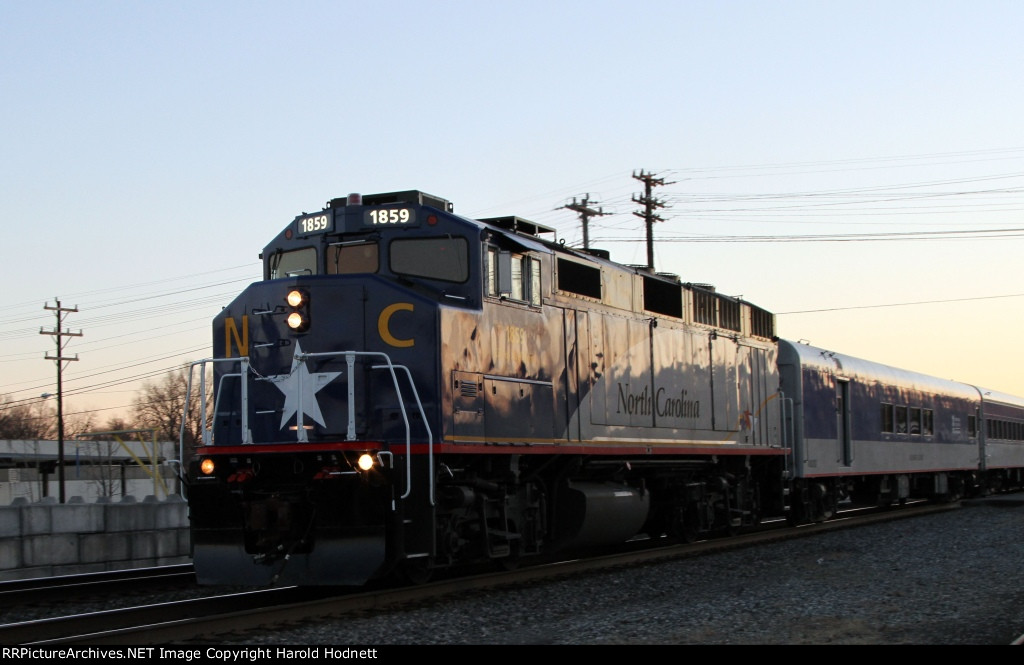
856	167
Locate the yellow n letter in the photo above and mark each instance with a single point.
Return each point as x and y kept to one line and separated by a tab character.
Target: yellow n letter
231	332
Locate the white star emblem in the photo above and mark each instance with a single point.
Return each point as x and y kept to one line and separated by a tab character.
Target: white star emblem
300	378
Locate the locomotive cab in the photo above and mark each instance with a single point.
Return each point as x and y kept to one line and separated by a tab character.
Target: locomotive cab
320	392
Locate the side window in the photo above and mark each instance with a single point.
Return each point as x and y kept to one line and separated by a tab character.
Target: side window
355	258
445	259
518	287
492	271
535	282
289	264
513	276
915	420
901	419
927	416
887	418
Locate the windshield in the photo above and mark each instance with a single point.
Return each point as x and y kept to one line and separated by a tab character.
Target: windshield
445	258
296	262
355	258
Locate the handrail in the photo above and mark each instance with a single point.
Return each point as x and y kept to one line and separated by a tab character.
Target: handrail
430	435
301	436
207	429
350	357
788	431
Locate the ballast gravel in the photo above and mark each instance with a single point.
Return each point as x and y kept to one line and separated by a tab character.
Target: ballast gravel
948	578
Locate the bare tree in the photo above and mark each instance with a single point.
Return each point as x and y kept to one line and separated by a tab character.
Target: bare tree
27	419
161	405
103	473
117	424
76	423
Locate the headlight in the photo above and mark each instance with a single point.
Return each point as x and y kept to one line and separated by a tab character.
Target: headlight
298	317
206	466
365	461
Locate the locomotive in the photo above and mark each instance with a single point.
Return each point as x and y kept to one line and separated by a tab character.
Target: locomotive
408	390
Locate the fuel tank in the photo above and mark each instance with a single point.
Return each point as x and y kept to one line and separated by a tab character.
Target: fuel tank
599	513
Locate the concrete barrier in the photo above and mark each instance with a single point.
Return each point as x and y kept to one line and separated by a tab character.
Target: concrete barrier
48	538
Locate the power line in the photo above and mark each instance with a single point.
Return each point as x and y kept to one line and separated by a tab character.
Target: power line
901	304
844	237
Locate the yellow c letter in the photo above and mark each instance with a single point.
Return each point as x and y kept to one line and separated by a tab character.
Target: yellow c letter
384	321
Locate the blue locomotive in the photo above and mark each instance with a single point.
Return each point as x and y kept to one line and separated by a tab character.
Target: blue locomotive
408	390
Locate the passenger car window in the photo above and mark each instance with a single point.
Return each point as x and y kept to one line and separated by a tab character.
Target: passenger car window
915	420
887	418
901	419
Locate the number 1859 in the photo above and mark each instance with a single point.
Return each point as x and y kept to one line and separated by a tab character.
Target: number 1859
391	216
313	224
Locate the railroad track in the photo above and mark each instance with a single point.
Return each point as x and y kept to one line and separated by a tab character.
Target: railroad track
208	620
62	588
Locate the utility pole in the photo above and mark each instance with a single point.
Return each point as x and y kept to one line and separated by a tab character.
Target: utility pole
650	205
585	212
60	334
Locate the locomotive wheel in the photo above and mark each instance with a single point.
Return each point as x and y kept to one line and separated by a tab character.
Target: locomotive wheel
955	493
690	532
821	505
416	571
511	562
656	527
686	524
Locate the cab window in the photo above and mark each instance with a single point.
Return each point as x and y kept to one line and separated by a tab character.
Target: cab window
347	259
296	262
446	259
